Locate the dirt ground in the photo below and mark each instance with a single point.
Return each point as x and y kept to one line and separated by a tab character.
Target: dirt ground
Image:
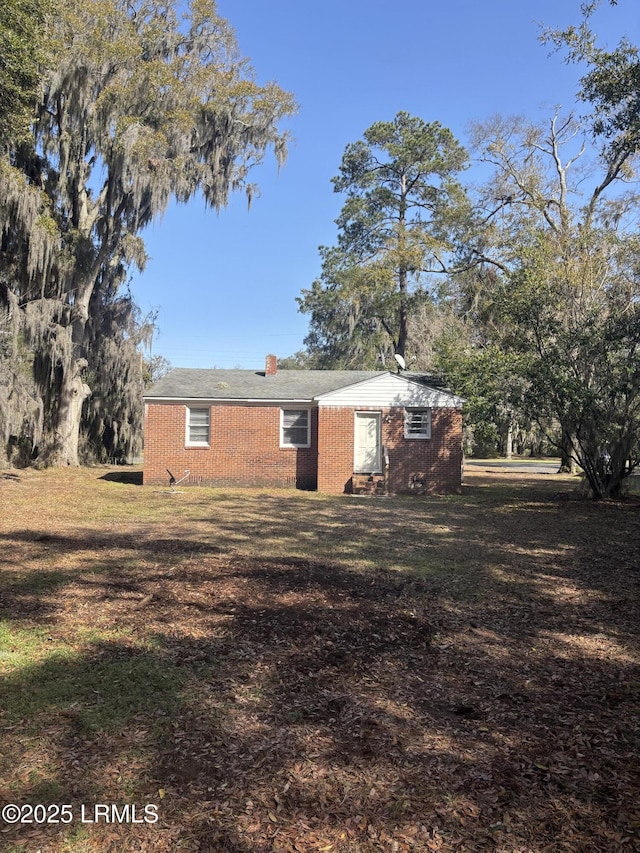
286	672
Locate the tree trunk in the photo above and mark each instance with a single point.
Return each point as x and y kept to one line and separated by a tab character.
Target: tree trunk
508	448
567	462
401	348
403	276
403	317
73	393
73	390
606	473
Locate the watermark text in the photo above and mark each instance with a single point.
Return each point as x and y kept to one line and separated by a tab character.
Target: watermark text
83	813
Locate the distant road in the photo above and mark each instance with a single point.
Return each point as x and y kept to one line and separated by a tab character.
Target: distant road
518	466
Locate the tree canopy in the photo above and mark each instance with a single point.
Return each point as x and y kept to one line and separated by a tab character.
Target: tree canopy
403	201
22	53
610	86
562	337
537	319
143	104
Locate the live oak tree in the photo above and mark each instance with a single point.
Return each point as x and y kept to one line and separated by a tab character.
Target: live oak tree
142	105
403	203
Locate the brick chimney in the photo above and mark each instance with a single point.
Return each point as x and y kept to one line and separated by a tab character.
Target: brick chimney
271	366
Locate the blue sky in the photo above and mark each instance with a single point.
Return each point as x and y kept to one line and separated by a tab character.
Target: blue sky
224	285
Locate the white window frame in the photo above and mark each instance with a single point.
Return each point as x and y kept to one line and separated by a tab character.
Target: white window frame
285	445
188	440
426	430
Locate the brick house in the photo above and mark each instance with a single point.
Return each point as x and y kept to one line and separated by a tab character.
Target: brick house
337	431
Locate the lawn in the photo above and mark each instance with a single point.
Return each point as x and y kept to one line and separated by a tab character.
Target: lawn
287	671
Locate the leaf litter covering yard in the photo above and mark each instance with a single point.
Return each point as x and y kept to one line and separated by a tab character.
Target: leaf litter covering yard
295	672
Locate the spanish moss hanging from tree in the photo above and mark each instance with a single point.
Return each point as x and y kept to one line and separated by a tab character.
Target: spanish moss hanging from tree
141	106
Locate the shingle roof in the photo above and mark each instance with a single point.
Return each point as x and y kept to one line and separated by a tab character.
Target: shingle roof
192	383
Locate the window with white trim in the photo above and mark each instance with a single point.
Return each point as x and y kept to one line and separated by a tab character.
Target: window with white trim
198	426
417	423
295	428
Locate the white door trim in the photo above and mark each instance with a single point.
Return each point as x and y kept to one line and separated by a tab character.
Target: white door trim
367	460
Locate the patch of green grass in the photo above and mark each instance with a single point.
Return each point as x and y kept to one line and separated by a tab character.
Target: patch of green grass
100	689
98	682
22	646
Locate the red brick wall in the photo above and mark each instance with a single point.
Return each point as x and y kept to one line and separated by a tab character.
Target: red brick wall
244	448
335	449
433	465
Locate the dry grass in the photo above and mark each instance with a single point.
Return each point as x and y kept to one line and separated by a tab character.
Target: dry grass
295	672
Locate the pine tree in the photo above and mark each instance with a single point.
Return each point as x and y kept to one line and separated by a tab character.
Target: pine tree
403	204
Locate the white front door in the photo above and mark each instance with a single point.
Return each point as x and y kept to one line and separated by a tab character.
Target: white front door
368	455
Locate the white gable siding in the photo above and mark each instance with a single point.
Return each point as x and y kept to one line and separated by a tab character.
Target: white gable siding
386	391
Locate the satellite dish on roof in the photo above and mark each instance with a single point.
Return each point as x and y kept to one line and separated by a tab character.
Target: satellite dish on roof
401	362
